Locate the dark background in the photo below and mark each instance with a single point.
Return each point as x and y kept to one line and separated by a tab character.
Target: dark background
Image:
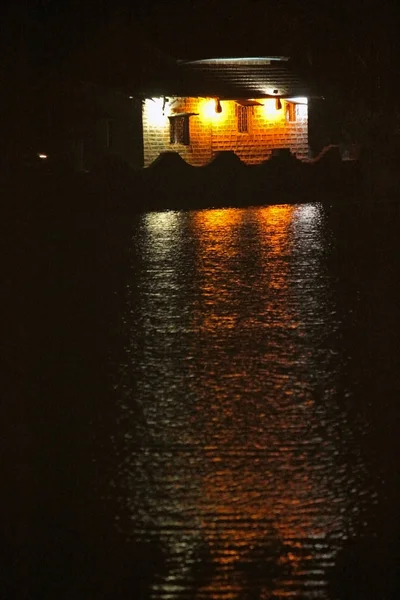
64	258
348	49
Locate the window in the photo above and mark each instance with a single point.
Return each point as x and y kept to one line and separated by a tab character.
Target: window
243	119
290	111
179	130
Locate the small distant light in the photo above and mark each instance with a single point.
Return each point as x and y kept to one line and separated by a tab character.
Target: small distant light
42	156
130	97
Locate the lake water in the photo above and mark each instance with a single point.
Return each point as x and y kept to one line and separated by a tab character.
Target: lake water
255	445
219	420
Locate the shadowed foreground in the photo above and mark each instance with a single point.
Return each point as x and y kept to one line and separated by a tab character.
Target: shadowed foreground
66	263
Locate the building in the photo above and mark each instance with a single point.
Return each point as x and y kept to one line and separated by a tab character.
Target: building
252	106
78	112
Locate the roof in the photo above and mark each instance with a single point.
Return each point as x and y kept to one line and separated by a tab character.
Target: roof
232	78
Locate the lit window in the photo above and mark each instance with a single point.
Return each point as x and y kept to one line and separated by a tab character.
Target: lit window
290	111
179	130
243	119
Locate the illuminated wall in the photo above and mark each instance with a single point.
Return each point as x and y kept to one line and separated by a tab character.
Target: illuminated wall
156	137
212	131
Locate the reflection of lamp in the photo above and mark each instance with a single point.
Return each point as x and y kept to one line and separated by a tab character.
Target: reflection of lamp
278	104
218	107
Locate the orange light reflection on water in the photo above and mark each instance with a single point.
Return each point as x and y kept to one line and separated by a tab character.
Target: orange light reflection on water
234	492
215	218
216	232
274	223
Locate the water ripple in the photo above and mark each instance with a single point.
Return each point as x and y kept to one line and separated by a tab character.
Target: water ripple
235	442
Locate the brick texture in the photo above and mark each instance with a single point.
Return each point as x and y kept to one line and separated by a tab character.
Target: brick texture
210	132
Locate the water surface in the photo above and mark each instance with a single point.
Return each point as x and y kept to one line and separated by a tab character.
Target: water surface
251	441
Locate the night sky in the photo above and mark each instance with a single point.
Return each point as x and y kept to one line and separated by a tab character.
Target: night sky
349	48
310	30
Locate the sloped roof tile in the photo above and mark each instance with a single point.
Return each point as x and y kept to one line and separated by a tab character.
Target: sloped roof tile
231	78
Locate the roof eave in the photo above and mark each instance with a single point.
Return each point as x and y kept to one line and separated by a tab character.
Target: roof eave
232	59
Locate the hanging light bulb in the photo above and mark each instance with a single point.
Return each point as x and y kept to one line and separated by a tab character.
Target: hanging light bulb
218	107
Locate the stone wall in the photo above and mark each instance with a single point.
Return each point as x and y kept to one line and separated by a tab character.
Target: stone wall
211	132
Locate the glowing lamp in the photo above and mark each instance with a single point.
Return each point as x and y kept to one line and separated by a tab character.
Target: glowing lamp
42	156
210	113
155	108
